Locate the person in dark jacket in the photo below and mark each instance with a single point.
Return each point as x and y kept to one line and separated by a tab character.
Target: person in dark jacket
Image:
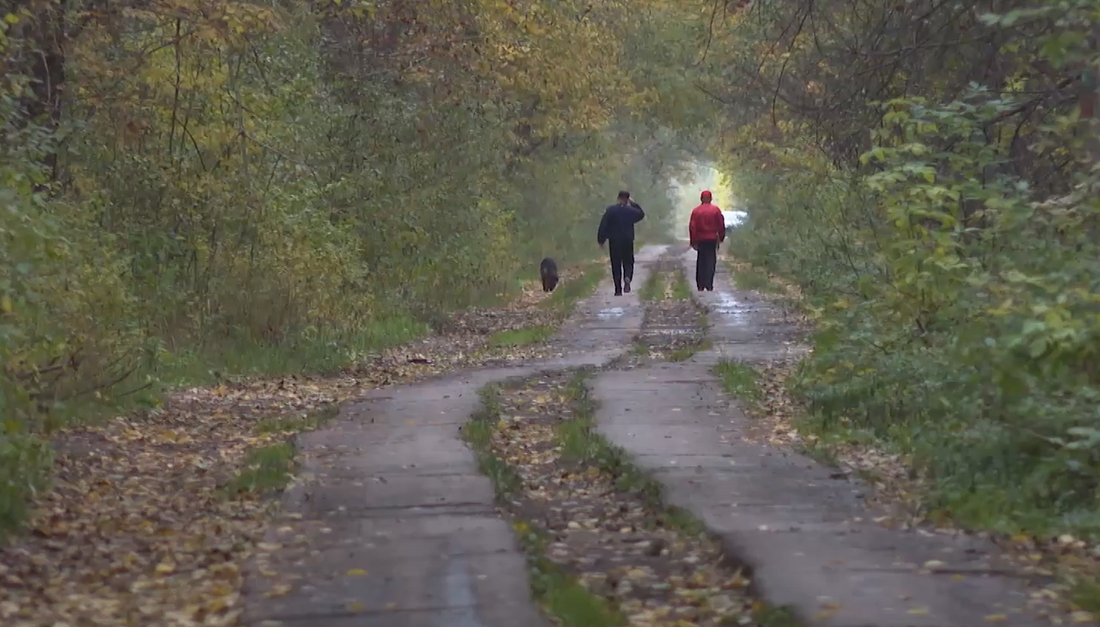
706	229
617	230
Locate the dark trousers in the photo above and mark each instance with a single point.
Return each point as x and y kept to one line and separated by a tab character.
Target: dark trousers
622	261
706	262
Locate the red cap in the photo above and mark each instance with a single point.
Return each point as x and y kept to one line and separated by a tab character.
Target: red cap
705	196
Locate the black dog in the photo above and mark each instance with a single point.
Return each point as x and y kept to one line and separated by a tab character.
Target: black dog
548	270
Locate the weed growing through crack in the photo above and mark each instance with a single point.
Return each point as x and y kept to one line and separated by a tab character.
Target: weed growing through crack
738	380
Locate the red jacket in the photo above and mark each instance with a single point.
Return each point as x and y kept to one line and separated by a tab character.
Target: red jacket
707	224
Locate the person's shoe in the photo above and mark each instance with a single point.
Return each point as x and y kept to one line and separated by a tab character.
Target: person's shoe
626	286
618	292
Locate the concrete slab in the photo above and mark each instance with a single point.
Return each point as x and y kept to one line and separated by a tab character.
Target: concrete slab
389	522
801	529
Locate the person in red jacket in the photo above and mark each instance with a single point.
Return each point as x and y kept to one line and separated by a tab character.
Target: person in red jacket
706	229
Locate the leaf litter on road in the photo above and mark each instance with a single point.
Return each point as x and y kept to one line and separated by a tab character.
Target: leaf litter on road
139	528
674	326
579	506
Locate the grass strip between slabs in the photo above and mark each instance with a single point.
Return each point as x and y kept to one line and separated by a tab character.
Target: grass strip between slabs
602	547
681	289
654	287
675	325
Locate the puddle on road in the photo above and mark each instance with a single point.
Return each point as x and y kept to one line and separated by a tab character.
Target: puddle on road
732	309
608	314
668	331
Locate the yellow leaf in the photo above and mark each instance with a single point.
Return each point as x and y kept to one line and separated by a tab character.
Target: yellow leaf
356	606
165	568
278	590
5	304
919	611
357	572
995	618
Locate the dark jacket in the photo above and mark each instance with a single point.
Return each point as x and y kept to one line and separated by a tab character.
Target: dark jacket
618	223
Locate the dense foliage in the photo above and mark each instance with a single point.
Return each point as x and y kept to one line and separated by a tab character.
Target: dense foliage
235	186
926	172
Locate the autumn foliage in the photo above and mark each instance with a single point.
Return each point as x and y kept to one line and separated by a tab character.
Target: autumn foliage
195	186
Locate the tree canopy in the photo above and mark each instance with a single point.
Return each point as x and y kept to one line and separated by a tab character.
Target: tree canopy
185	176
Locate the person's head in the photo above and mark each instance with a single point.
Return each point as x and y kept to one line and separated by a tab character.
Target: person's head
705	196
624	197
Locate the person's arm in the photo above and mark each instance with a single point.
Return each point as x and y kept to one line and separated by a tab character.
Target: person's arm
693	228
601	233
639	215
721	227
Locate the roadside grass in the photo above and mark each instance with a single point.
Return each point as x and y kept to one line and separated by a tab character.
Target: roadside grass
318	352
565	297
755	280
268	469
561	303
524	336
298	424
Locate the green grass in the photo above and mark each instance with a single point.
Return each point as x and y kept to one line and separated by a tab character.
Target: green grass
478	433
526	336
755	280
267	469
315	352
654	287
687	352
775	616
1085	594
581	442
297	424
565	297
738	380
681	289
558	592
